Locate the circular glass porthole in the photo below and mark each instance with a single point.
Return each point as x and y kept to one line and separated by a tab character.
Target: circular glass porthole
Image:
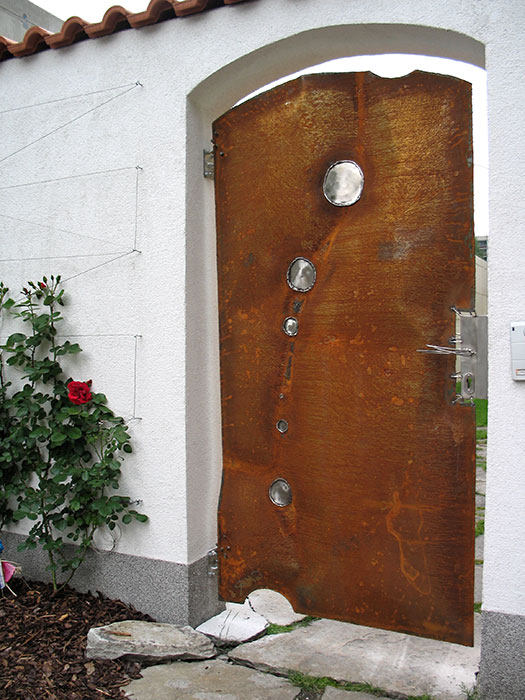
343	183
280	493
282	425
301	275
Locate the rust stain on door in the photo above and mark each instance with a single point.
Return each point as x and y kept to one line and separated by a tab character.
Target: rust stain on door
380	528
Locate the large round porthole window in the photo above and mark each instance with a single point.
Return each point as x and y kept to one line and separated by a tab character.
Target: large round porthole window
343	183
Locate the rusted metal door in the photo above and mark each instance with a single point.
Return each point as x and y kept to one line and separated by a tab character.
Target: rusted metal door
348	473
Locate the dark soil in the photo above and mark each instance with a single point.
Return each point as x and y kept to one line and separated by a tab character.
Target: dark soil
43	642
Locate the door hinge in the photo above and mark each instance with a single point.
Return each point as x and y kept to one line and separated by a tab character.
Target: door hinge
213	562
208	164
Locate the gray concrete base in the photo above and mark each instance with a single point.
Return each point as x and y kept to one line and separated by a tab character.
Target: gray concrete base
502	667
167	591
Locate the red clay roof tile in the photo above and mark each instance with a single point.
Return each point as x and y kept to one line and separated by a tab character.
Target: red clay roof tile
34	40
72	31
4	48
115	19
190	7
157	11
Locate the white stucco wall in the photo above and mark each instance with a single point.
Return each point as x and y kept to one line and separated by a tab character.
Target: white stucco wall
192	70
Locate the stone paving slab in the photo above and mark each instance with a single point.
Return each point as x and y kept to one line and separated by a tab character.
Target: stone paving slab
481	481
478	583
147	641
236	624
337	694
209	680
479	545
273	606
397	663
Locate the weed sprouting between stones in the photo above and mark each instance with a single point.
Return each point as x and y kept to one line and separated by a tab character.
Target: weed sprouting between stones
280	629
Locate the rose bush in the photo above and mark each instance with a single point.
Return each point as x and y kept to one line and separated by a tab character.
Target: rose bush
61	446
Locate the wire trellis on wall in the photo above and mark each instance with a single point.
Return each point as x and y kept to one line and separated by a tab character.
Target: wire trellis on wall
117	254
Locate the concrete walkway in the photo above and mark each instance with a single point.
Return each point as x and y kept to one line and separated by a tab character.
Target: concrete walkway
393	664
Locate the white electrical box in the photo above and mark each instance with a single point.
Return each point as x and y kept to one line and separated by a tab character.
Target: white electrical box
517	350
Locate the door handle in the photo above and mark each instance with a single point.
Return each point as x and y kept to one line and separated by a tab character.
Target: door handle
468	354
444	350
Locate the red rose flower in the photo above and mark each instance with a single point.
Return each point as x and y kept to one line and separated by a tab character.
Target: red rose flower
79	392
42	285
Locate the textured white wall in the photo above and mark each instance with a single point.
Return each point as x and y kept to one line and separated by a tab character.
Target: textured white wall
192	70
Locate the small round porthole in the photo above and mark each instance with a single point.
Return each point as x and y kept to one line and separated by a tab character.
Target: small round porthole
291	326
343	183
282	425
280	493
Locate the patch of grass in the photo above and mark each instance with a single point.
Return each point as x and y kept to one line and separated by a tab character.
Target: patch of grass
482	463
319	683
280	629
470	693
481	434
480	528
477	607
481	411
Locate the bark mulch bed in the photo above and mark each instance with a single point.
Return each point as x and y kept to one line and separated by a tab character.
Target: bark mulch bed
43	642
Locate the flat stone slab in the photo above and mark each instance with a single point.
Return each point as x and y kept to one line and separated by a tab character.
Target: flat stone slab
479	546
394	662
236	624
337	694
273	606
478	582
210	680
147	641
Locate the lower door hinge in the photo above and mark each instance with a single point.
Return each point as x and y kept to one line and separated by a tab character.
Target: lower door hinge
208	164
213	562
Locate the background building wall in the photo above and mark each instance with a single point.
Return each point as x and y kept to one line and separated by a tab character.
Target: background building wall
481	287
166	293
16	16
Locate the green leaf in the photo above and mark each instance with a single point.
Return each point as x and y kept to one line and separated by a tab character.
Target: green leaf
127	448
15	338
8	303
58	438
126	519
74	432
141	517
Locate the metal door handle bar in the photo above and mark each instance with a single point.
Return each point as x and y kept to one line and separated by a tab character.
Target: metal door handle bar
470	313
442	350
